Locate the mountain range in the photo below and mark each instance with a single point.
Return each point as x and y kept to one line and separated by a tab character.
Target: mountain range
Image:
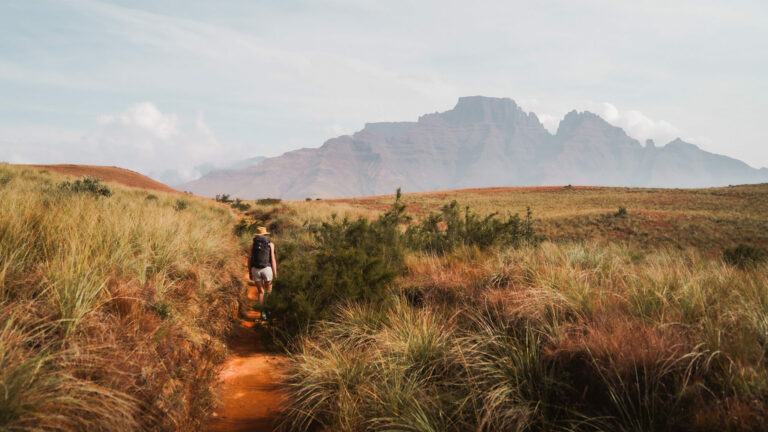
481	142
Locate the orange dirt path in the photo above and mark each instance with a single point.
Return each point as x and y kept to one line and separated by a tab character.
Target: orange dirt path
249	384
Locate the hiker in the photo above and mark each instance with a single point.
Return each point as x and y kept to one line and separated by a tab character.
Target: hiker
262	264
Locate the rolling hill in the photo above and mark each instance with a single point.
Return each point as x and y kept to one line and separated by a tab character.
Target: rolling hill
109	174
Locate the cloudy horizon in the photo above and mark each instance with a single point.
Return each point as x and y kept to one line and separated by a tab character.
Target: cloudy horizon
156	86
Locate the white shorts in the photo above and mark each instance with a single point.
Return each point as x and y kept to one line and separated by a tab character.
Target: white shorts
259	275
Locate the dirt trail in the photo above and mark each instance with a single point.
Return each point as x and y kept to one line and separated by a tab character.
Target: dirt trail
248	390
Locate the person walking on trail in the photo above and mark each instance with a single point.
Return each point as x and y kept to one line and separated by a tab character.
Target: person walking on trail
262	264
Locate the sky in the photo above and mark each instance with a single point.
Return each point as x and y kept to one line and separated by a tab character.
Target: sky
163	85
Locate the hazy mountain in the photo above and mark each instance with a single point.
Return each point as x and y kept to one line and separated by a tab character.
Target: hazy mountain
480	142
175	178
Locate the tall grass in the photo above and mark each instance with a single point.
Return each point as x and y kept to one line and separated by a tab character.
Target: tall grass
41	390
114	306
560	337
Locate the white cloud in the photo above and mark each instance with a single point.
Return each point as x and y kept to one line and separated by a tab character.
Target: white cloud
334	130
160	144
636	124
146	116
142	138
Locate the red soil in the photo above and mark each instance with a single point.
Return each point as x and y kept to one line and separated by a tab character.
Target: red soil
249	384
109	174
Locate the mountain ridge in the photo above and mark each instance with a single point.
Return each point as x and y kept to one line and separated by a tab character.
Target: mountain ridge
481	142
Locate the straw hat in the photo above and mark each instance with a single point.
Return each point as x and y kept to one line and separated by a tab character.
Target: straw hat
261	230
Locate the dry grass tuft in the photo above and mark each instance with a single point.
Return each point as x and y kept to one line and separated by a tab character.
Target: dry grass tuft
559	337
113	308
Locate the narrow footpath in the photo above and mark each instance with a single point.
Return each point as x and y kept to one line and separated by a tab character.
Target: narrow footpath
248	390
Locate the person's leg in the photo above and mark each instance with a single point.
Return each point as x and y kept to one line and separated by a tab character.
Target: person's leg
253	290
266	278
260	286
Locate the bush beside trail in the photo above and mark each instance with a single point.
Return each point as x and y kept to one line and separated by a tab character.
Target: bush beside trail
113	310
341	260
345	260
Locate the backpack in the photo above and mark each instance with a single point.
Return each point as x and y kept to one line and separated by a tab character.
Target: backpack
261	256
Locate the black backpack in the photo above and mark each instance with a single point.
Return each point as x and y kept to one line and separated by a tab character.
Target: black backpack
260	252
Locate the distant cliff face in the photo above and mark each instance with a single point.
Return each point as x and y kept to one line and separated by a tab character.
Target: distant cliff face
480	142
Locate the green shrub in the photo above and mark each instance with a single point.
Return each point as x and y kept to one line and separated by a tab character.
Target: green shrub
87	184
276	219
238	204
346	261
744	256
161	309
244	228
280	225
223	198
444	231
355	260
269	201
151	197
621	212
180	205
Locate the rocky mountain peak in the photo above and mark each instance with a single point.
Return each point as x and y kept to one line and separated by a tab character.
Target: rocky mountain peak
575	119
679	144
590	125
482	109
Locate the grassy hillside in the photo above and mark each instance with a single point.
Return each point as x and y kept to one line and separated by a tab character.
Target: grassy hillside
700	218
113	303
110	174
618	322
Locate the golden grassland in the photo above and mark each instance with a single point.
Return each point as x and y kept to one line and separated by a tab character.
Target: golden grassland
701	218
112	309
615	323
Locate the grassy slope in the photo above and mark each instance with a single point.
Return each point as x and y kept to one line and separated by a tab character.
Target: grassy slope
701	218
618	323
109	174
112	309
